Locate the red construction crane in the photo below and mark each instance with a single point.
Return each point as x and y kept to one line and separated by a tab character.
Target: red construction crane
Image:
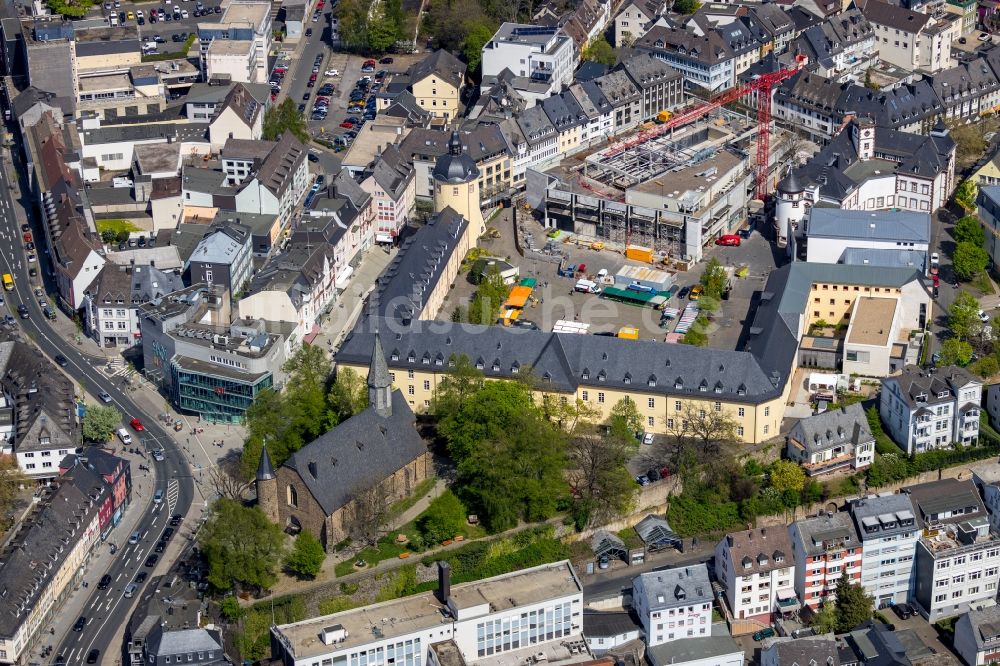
761	85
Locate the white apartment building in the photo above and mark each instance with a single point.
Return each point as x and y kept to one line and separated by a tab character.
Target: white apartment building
958	556
244	21
757	570
924	411
889	534
111	303
525	613
824	547
833	440
913	40
833	234
673	604
546	56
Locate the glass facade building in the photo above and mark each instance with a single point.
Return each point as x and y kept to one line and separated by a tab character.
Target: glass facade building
214	396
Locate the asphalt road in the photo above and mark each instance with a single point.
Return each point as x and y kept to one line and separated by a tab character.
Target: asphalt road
108	609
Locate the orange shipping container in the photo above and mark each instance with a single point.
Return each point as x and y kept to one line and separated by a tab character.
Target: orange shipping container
640	254
518	297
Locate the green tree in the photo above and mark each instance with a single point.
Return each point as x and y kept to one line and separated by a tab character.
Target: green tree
100	422
488	299
461	383
12	484
69	8
697	335
969	230
348	395
306	557
853	605
714	278
443	519
966	193
510	458
969	261
825	620
478	33
955	352
686	6
598	475
382	32
242	547
282	118
987	366
599	50
353	18
963	316
786	475
970	141
308	371
625	418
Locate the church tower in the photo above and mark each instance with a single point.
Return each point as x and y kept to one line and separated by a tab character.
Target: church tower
379	382
267	486
456	185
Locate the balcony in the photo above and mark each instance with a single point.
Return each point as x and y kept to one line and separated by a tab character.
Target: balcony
788	605
831	465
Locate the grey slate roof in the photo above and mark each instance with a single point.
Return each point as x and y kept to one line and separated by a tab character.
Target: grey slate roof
914	382
945	496
983	625
417	267
265	470
645	70
358	452
442	64
894	16
847	425
182	641
838	527
888	257
860	225
759	550
606	624
838	171
883	516
955	84
820	650
677	586
563	111
700	650
535	125
378	373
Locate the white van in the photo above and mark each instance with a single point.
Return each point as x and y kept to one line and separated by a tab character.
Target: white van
587	287
124	436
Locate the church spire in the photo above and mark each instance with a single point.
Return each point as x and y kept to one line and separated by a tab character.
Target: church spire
265	470
379	381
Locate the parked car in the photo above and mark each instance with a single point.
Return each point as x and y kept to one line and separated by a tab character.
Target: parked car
983	317
696	292
642	480
385	61
729	240
904	611
151	560
683	293
766	632
136	424
647	438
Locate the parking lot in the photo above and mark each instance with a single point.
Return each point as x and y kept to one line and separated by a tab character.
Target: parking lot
557	300
172	31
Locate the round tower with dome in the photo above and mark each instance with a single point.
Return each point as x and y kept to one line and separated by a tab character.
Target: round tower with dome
790	209
456	185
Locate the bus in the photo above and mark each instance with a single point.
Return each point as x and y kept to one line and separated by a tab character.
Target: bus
8	282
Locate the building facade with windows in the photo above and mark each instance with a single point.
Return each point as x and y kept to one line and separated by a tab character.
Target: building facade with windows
834	440
889	534
531	611
923	411
958	555
673	604
111	304
757	570
824	548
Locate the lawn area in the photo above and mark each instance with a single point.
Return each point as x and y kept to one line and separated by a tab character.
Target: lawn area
418	541
116	226
403	505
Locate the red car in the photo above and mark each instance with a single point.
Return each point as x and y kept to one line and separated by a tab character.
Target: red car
729	240
312	77
346	125
936	281
136	424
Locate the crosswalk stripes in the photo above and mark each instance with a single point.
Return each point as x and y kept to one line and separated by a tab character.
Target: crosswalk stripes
173	488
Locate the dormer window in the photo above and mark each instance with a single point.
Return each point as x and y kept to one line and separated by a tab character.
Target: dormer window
628	378
944	394
586	373
426	360
394	356
514	369
601	376
412	358
651	381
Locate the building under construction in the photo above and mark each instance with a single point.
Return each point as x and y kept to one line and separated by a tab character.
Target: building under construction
676	192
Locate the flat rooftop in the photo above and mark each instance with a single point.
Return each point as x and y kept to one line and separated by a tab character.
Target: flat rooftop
400	617
231	47
105	83
673	184
872	321
253	14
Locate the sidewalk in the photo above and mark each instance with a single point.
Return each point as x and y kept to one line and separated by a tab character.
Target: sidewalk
99	561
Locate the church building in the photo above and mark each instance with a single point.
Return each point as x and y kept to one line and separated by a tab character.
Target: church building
379	448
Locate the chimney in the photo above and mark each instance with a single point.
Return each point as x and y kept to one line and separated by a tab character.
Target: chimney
444	581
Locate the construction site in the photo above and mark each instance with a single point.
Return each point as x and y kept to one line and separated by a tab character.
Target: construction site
672	191
676	186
